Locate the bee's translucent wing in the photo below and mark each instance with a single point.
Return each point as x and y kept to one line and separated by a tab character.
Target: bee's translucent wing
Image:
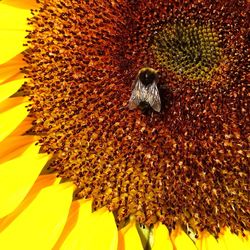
149	94
153	97
139	94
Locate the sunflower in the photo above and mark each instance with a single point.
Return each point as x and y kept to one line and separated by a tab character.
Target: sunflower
79	169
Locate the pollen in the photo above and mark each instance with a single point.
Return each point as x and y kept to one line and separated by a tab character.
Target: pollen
188	163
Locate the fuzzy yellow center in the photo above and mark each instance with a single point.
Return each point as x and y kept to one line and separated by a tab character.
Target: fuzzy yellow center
188	49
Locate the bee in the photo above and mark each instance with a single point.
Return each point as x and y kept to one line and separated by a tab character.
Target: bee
145	92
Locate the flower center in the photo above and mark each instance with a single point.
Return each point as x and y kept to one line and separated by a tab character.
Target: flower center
188	49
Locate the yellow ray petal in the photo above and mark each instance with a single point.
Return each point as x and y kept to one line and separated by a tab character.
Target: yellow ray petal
9	71
26	4
12	42
10	103
41	223
181	241
129	238
17	177
101	223
10	88
161	238
79	212
42	181
23	127
10	119
87	230
12	18
13	26
13	146
231	241
207	242
71	230
88	226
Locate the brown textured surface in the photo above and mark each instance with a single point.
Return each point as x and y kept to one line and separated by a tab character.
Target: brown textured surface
189	161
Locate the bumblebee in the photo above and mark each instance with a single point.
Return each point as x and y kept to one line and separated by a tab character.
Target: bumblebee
145	92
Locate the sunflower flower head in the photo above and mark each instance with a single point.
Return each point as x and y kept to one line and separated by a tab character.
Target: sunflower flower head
186	165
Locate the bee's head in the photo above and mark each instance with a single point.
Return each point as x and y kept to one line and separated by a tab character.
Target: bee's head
148	76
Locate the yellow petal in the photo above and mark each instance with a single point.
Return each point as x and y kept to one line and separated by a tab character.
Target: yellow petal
207	242
26	4
12	18
41	223
42	181
231	241
100	231
181	241
9	71
161	238
129	238
23	127
13	146
12	102
10	119
13	26
17	177
12	42
80	210
101	223
10	88
88	225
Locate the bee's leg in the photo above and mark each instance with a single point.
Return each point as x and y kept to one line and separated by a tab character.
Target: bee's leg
151	116
163	87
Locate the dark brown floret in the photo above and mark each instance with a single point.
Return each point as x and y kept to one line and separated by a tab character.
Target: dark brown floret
187	164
